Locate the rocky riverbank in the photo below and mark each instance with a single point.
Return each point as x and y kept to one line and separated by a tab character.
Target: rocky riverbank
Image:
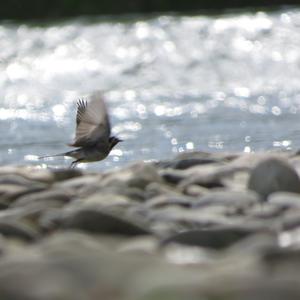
200	226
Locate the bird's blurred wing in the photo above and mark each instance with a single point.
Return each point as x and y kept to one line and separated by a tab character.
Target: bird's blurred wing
92	121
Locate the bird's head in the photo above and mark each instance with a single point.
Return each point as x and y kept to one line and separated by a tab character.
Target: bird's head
113	141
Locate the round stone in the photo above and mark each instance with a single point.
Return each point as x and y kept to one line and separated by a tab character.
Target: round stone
272	175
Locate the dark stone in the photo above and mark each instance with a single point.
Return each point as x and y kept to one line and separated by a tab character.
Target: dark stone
19	231
102	222
185	163
272	175
64	174
173	177
209	238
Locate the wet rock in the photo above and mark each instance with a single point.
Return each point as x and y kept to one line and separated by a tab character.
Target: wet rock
132	193
285	199
209	238
237	181
244	288
177	219
195	190
257	243
101	200
156	189
10	192
264	212
79	182
30	173
38	197
138	175
282	260
219	156
273	175
17	231
228	198
64	174
289	220
18	180
186	163
139	245
208	176
166	200
173	176
102	222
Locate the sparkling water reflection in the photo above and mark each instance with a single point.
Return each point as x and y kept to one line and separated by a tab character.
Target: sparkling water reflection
172	84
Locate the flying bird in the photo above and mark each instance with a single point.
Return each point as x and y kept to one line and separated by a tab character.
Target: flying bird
93	138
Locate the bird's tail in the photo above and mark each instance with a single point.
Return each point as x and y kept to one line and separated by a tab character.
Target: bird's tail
59	154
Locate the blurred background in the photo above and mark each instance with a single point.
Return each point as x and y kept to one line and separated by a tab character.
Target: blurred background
177	76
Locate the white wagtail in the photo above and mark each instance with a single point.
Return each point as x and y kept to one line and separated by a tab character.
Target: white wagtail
92	138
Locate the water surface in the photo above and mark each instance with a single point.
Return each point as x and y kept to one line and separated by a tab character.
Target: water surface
172	84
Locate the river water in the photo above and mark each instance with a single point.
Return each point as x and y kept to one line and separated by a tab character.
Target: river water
172	84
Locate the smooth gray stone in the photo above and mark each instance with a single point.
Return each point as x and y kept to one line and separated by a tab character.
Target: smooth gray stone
18	180
64	174
230	287
138	175
169	200
285	199
133	193
196	190
39	279
77	183
209	176
219	156
273	175
290	219
228	198
101	201
29	173
181	218
185	163
17	230
155	189
102	222
209	238
10	192
266	211
48	195
255	244
173	176
282	260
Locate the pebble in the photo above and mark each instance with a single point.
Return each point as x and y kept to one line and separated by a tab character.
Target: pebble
225	197
38	197
285	199
209	238
101	222
273	175
17	231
